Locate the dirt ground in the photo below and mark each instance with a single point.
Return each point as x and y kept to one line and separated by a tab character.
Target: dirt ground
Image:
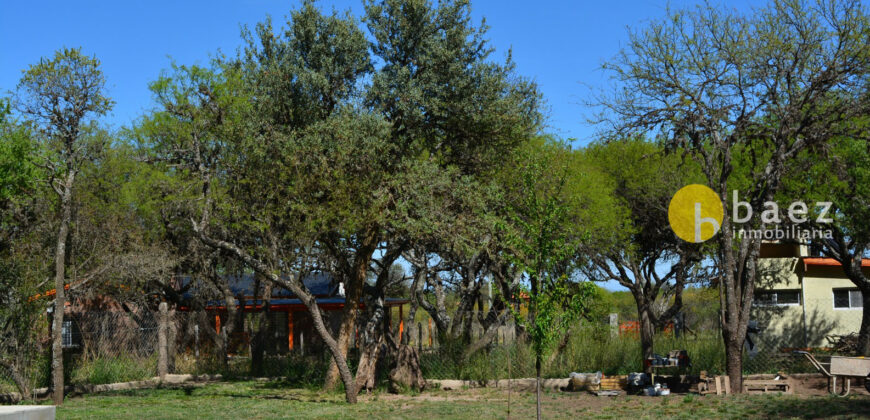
813	384
810	401
810	384
802	385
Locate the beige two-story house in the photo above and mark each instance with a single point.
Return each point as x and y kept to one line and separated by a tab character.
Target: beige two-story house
802	298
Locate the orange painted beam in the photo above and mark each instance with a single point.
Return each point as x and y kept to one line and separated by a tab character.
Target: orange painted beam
401	322
217	323
831	262
48	293
290	330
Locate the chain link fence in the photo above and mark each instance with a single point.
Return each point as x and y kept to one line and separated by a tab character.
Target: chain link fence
117	346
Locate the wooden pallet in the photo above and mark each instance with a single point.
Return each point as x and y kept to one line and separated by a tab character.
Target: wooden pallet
766	386
615	382
719	385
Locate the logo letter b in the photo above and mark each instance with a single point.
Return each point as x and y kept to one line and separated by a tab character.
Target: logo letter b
737	204
701	220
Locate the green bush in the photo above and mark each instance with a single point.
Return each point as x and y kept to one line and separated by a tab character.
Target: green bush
107	370
589	350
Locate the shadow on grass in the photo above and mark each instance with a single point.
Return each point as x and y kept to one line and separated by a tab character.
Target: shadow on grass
813	408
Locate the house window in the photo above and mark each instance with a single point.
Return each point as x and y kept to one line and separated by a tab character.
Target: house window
848	299
70	334
778	297
816	249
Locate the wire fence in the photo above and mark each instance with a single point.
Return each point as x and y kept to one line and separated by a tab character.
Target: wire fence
118	346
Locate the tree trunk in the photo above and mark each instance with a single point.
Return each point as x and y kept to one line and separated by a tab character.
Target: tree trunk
537	345
734	364
538	386
560	348
407	374
491	333
371	340
258	350
297	287
409	320
736	289
853	267
864	331
57	382
353	294
647	334
437	312
368	360
338	358
229	326
345	332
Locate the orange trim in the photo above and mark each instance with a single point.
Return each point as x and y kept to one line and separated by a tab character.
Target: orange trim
52	292
401	322
217	324
830	262
290	330
47	293
285	307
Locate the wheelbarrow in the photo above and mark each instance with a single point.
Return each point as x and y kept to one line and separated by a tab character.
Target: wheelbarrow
841	367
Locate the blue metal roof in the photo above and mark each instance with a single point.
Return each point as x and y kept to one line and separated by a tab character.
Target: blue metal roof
320	284
296	301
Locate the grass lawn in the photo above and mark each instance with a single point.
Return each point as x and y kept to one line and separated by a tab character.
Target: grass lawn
264	400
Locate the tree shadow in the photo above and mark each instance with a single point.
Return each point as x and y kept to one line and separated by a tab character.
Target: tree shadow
812	408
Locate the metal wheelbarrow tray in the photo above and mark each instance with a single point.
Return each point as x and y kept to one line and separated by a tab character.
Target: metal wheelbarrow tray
843	367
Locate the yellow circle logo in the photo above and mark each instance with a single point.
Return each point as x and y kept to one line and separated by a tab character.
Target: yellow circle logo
695	213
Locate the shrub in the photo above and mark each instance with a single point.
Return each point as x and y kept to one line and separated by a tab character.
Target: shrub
107	370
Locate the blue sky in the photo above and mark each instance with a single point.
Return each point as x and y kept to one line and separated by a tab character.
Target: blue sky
560	44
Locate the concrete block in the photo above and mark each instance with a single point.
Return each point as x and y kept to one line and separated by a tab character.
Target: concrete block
27	412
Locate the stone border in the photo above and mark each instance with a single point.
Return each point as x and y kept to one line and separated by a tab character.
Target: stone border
528	384
74	390
519	384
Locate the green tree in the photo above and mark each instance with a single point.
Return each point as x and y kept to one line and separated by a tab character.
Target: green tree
299	168
19	185
18	169
268	198
545	240
717	84
455	113
60	95
639	243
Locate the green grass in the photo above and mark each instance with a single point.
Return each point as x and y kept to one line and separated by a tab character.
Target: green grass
592	349
589	350
261	400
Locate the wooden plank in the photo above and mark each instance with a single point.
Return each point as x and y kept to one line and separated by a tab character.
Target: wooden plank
727	384
766	385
